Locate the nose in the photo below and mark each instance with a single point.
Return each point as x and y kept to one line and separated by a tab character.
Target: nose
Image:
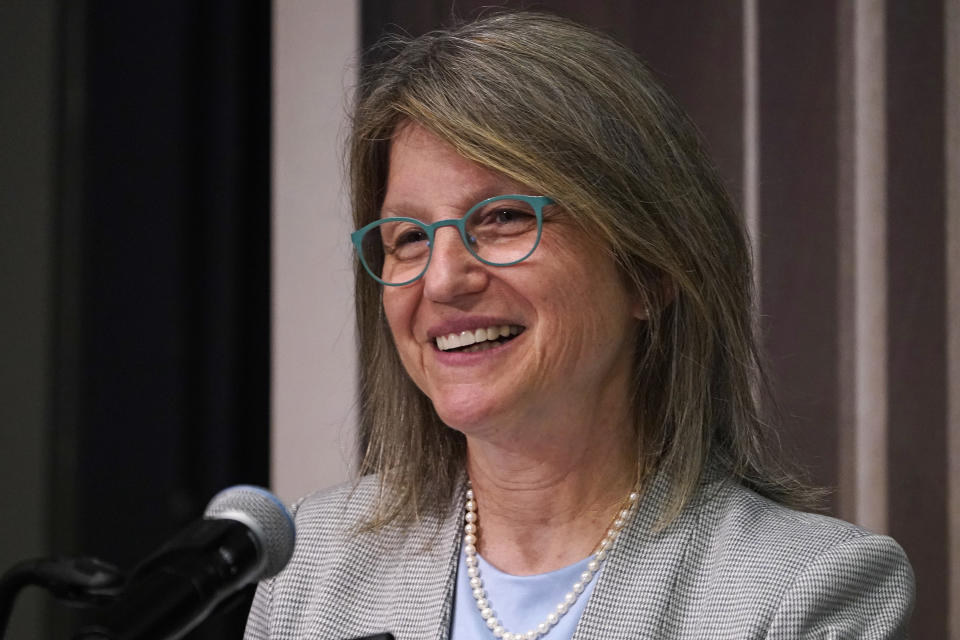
453	271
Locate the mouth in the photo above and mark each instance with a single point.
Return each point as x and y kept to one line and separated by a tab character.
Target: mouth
479	339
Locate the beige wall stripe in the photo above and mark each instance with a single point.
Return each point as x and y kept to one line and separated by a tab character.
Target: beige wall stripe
870	265
315	50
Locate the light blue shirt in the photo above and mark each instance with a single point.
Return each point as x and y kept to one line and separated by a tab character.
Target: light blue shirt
519	602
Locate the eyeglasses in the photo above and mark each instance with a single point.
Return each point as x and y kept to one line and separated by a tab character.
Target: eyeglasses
498	231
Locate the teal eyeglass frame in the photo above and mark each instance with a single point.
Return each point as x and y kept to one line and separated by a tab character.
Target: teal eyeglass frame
537	202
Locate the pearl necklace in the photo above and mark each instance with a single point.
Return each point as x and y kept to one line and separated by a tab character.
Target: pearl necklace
476	582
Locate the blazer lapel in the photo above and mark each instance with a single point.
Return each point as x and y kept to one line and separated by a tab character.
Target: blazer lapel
635	586
428	576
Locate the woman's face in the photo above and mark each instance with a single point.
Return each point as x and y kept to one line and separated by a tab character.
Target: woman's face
572	314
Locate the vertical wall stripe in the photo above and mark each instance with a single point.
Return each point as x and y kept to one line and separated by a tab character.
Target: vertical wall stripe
870	307
312	420
751	133
952	183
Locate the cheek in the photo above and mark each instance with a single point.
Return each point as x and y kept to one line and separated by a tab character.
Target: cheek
586	314
399	310
399	306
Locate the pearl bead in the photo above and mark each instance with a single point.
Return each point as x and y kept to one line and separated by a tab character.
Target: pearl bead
543	627
470	516
498	632
618	524
569	598
624	514
472	572
601	555
471	505
478	593
634	496
491	622
577	588
593	565
470	539
476	583
562	607
486	613
552	618
470	528
530	635
470	550
470	494
482	603
471	561
585	576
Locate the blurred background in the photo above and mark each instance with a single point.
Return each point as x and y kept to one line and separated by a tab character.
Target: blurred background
175	273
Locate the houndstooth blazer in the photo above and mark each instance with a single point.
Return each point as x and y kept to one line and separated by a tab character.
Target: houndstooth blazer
732	565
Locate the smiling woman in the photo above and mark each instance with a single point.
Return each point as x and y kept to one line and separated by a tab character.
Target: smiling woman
560	383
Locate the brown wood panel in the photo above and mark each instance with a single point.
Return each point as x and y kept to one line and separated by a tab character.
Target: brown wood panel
916	273
798	222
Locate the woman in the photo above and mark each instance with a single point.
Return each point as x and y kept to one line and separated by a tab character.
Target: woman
559	375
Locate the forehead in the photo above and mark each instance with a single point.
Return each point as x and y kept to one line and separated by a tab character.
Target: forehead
427	173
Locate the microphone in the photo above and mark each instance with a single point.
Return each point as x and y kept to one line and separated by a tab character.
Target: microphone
246	535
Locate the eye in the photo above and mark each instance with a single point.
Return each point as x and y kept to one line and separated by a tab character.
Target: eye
501	220
403	240
410	236
506	216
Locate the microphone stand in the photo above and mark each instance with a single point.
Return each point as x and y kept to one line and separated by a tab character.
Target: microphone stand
82	582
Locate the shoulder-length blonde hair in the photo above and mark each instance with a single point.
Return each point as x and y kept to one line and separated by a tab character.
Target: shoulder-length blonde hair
575	116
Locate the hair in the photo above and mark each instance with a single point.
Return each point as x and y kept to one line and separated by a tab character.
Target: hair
574	115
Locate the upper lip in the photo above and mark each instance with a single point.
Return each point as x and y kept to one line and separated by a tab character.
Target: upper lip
467	323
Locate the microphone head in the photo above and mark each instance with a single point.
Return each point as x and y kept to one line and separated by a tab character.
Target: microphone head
265	515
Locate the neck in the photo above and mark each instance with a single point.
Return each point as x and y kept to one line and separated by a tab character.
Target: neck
547	504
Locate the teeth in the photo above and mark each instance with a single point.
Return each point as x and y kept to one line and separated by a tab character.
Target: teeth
480	346
483	334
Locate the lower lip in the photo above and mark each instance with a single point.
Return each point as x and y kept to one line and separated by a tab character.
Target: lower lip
463	358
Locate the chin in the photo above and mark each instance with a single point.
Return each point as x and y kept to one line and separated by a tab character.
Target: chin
467	415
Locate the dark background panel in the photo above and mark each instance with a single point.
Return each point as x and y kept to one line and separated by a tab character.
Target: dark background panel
916	298
162	293
798	104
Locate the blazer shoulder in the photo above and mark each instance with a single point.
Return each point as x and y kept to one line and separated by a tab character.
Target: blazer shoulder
748	567
346	504
821	574
863	587
745	520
